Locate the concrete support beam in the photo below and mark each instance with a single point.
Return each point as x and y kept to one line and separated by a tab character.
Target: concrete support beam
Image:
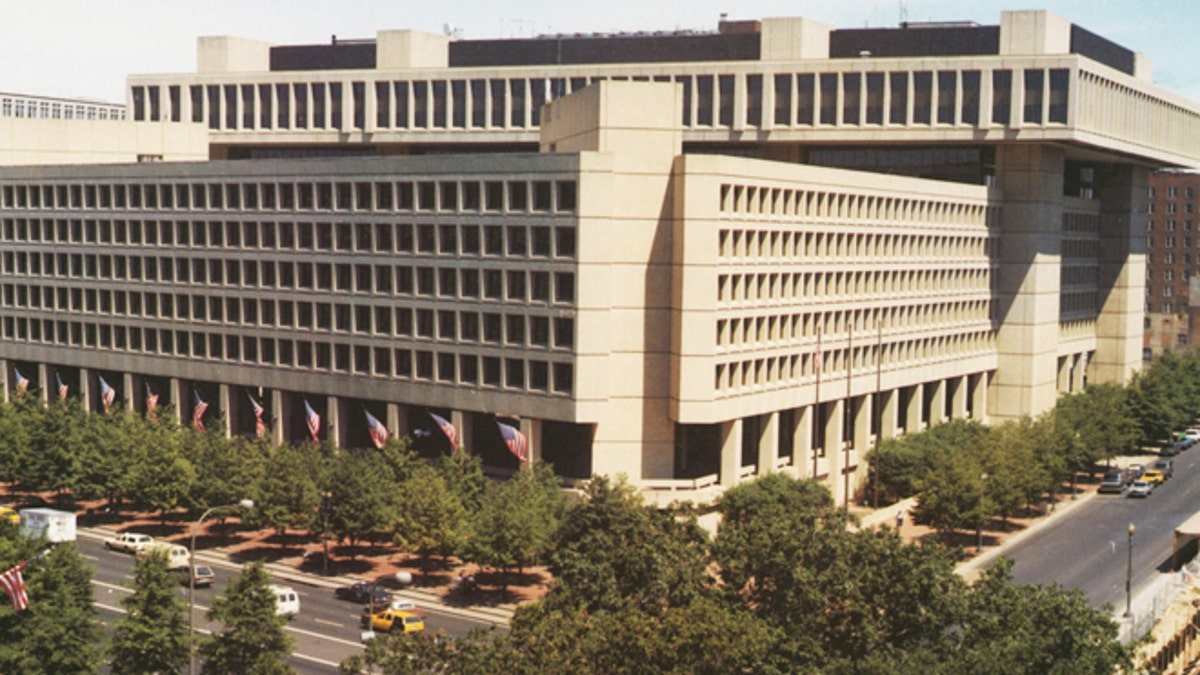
278	415
768	443
225	411
731	451
1121	281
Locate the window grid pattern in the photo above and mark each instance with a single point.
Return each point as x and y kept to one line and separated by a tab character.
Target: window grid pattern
38	107
1079	295
437	280
794	264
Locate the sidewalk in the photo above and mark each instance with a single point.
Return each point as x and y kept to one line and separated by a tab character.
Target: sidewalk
498	615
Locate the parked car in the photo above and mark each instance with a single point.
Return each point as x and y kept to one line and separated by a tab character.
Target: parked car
366	594
1135	471
287	601
1140	488
1114	481
10	515
1166	466
129	542
390	620
178	557
1193	433
1154	476
1173	449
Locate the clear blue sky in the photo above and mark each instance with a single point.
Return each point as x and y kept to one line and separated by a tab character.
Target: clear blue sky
86	48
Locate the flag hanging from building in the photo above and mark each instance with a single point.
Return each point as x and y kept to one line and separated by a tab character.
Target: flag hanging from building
313	420
14	586
447	428
515	440
62	387
107	394
260	427
22	381
151	402
198	411
376	430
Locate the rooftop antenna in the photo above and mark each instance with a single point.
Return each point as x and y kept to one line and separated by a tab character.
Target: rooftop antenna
903	13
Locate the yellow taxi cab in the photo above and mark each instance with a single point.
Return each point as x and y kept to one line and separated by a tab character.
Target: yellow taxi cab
1154	476
10	515
390	620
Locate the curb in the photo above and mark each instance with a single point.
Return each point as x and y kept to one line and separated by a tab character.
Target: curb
499	615
981	561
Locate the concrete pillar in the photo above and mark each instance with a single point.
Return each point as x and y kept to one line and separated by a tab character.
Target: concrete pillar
887	413
43	376
131	390
85	389
1030	177
175	385
937	401
1079	372
532	428
394	414
226	413
333	422
1064	374
731	447
958	398
1121	280
912	416
802	442
278	414
834	423
979	399
4	366
463	422
768	443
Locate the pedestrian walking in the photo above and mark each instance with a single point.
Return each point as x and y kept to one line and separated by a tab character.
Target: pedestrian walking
899	519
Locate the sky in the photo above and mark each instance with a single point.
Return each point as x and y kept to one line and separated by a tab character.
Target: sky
86	48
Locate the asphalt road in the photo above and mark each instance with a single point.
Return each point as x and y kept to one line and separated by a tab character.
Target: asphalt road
1089	547
326	630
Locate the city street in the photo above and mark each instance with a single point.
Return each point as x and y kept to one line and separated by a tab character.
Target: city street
326	630
1088	548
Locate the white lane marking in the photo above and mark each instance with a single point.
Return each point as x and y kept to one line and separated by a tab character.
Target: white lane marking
328	623
322	636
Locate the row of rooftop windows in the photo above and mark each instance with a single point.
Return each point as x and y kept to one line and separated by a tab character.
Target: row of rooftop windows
944	97
772	201
748	245
819	286
514	240
538	196
34	107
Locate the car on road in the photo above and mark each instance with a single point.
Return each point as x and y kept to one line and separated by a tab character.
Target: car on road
129	542
1140	488
287	601
399	605
1154	476
178	557
1193	433
390	620
1166	466
1172	449
10	515
203	574
1114	481
366	594
1135	471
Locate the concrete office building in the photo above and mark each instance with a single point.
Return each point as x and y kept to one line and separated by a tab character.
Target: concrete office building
1172	261
689	258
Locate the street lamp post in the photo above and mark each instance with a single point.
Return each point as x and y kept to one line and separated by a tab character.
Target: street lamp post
244	504
1129	575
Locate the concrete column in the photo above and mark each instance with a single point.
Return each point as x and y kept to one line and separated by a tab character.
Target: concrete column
532	428
937	402
768	443
333	422
278	414
1079	372
958	400
731	446
1031	180
887	413
1064	373
44	378
463	422
1121	280
175	385
862	423
979	400
370	107
226	412
802	442
912	416
833	448
396	420
128	390
4	368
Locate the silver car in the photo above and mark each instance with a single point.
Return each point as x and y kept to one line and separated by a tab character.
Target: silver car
1140	488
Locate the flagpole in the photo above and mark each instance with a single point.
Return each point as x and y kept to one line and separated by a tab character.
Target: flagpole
817	404
849	413
877	411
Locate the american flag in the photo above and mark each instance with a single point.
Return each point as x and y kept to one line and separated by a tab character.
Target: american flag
260	427
515	440
376	430
448	429
62	387
313	420
22	381
151	402
107	394
14	586
198	412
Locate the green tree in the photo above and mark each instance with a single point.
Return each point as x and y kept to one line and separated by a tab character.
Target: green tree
252	641
463	473
516	523
953	495
362	489
1103	420
152	637
287	494
429	517
58	634
159	475
227	470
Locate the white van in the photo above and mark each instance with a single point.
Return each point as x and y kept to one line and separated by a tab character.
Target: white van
286	600
178	557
